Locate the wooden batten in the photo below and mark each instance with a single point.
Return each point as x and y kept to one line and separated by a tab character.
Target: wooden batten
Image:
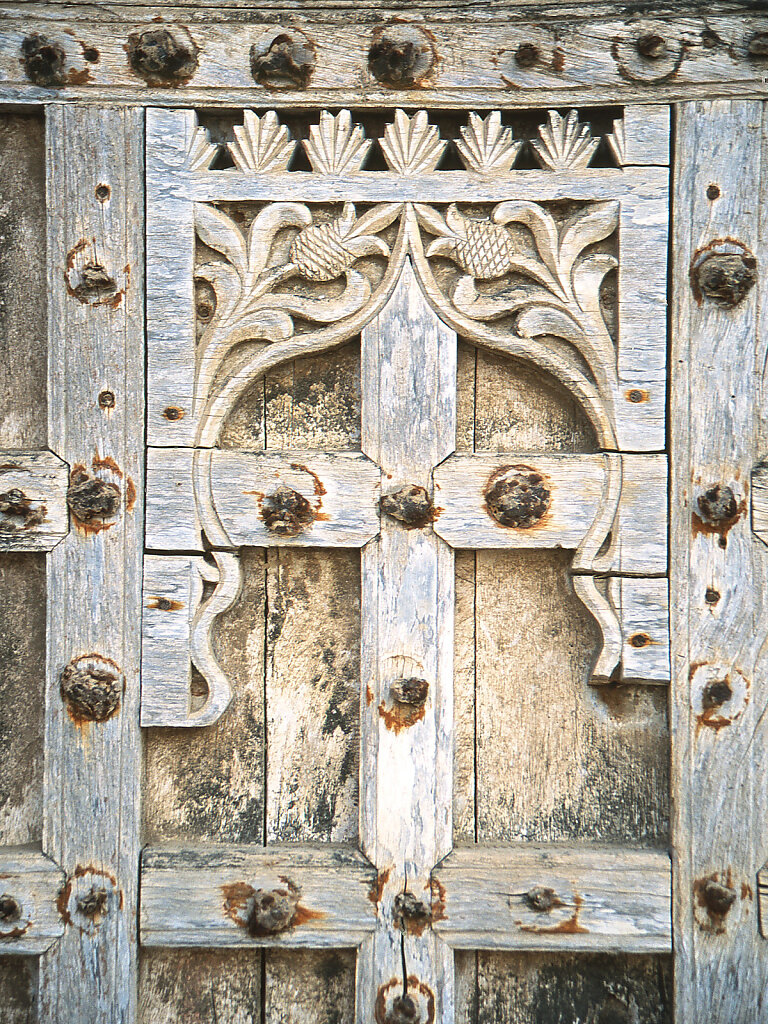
33	502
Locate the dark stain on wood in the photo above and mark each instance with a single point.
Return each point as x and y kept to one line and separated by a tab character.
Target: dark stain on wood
377	888
571	926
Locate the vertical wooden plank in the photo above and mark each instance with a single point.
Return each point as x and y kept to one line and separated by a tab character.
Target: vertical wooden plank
92	768
23	425
200	987
721	968
409	424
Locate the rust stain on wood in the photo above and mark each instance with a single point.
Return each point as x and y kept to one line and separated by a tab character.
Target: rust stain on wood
107	462
377	888
401	716
571	926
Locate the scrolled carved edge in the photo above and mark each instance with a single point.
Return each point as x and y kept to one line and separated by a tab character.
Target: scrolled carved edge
178	636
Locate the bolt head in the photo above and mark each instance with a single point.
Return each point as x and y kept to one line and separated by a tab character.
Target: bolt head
718	898
652	46
163	56
91	688
409	504
272	911
541	898
718	504
517	496
724	278
411	691
286	512
401	56
43	60
10	909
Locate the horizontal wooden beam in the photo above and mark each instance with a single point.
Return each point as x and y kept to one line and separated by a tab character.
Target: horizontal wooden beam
575	484
205	895
30	885
591	50
33	501
341	489
550	898
642	608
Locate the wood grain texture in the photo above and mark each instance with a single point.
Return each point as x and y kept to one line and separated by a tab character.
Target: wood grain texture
92	769
592	51
719	747
576	486
18	989
200	987
644	615
602	899
342	489
408	426
198	896
34	882
33	505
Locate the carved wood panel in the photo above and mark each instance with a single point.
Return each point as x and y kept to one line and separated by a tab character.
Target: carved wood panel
255	265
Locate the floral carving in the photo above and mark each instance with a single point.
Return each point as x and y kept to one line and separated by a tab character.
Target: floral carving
554	286
564	144
261	143
335	146
411	145
486	145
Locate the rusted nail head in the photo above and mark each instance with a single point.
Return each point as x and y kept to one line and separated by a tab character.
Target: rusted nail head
715	694
758	45
287	62
518	497
711	596
165	55
102	193
409	504
400	56
93	498
725	278
91	689
286	512
408	907
272	911
526	55
403	1011
409	691
93	903
173	412
95	284
541	898
43	60
10	909
652	46
718	898
713	192
639	640
718	504
106	400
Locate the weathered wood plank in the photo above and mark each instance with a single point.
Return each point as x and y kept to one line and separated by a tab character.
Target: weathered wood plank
598	899
594	53
643	607
341	488
718	601
409	417
203	896
29	887
33	505
575	483
200	986
93	767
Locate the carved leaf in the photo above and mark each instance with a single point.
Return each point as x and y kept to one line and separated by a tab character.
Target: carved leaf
335	146
617	140
411	145
262	143
486	145
201	152
584	229
540	223
564	143
222	234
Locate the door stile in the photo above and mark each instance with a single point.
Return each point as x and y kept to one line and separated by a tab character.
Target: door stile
96	401
718	599
409	424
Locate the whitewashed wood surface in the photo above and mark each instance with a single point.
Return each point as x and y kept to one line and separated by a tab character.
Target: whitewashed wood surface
34	882
43	480
93	769
185	892
717	596
607	900
593	56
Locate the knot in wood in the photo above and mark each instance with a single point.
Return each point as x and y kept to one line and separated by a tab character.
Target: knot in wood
286	512
94	903
758	45
401	56
10	909
716	693
91	688
43	60
718	898
718	504
725	278
163	56
541	898
409	910
409	504
95	284
288	62
411	691
272	911
92	498
403	1011
517	496
652	46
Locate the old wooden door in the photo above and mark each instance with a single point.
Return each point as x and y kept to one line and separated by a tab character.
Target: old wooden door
396	376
